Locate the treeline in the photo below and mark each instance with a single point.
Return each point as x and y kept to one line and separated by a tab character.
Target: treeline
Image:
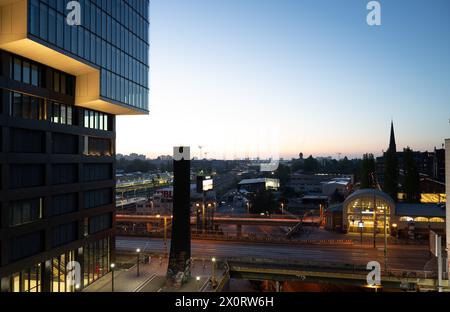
405	179
145	166
312	165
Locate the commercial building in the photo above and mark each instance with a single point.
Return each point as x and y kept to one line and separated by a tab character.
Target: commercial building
314	183
254	185
61	88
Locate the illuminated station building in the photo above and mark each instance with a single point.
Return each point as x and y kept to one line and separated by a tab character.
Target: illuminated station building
402	219
61	88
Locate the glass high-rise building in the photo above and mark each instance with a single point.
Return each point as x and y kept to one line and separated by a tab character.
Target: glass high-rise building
62	84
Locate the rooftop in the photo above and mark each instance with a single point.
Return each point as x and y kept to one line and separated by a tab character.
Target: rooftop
421	210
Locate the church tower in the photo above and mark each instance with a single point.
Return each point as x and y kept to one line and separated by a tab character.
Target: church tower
392	144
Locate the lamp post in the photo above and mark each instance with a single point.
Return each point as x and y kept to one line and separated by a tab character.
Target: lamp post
375	221
394	227
385	238
112	276
361	227
138	252
282	208
165	232
213	272
198	279
165	235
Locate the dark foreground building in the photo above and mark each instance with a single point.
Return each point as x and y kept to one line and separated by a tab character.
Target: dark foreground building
61	87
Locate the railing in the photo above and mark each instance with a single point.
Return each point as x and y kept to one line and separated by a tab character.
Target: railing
292	265
279	239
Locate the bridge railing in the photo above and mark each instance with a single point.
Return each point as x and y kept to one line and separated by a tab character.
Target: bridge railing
329	267
271	239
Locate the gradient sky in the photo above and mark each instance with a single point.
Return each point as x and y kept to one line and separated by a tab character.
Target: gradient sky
247	78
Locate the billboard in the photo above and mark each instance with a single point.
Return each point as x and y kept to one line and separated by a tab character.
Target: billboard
204	184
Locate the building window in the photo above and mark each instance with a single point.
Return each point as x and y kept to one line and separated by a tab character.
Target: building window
24	176
29	280
59	278
64	234
97	172
27	107
96	120
63	204
64	174
26	211
25	71
96	260
61	113
100	223
97	198
27	245
64	143
27	141
62	83
97	146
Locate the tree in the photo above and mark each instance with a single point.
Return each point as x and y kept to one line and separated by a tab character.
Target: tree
311	165
368	171
283	173
390	185
412	178
337	197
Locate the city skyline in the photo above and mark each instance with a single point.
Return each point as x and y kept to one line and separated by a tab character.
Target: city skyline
234	75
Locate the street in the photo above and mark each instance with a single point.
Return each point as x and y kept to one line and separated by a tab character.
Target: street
405	257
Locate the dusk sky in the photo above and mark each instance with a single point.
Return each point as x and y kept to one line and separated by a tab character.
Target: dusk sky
245	78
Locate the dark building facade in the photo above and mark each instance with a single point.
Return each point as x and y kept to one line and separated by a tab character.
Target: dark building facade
61	88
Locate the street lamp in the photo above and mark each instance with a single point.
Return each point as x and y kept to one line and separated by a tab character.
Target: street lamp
138	251
213	269
198	279
112	278
395	229
165	235
282	208
361	227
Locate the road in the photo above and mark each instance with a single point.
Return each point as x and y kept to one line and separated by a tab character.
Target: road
399	256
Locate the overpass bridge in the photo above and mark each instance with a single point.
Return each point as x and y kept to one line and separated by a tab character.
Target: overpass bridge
221	219
326	272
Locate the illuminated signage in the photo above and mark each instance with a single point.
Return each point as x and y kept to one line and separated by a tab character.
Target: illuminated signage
204	184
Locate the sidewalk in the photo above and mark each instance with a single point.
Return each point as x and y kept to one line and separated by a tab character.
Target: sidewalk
152	278
124	281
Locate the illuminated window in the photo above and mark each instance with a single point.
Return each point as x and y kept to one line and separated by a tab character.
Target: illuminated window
437	220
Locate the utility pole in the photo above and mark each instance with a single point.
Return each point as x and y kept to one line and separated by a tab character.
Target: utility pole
375	225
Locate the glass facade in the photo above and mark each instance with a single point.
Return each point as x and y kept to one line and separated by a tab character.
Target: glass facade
113	36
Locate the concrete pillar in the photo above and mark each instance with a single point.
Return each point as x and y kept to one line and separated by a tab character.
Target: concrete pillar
447	185
277	286
180	249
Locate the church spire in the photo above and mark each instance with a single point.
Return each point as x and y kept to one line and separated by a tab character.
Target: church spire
392	144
